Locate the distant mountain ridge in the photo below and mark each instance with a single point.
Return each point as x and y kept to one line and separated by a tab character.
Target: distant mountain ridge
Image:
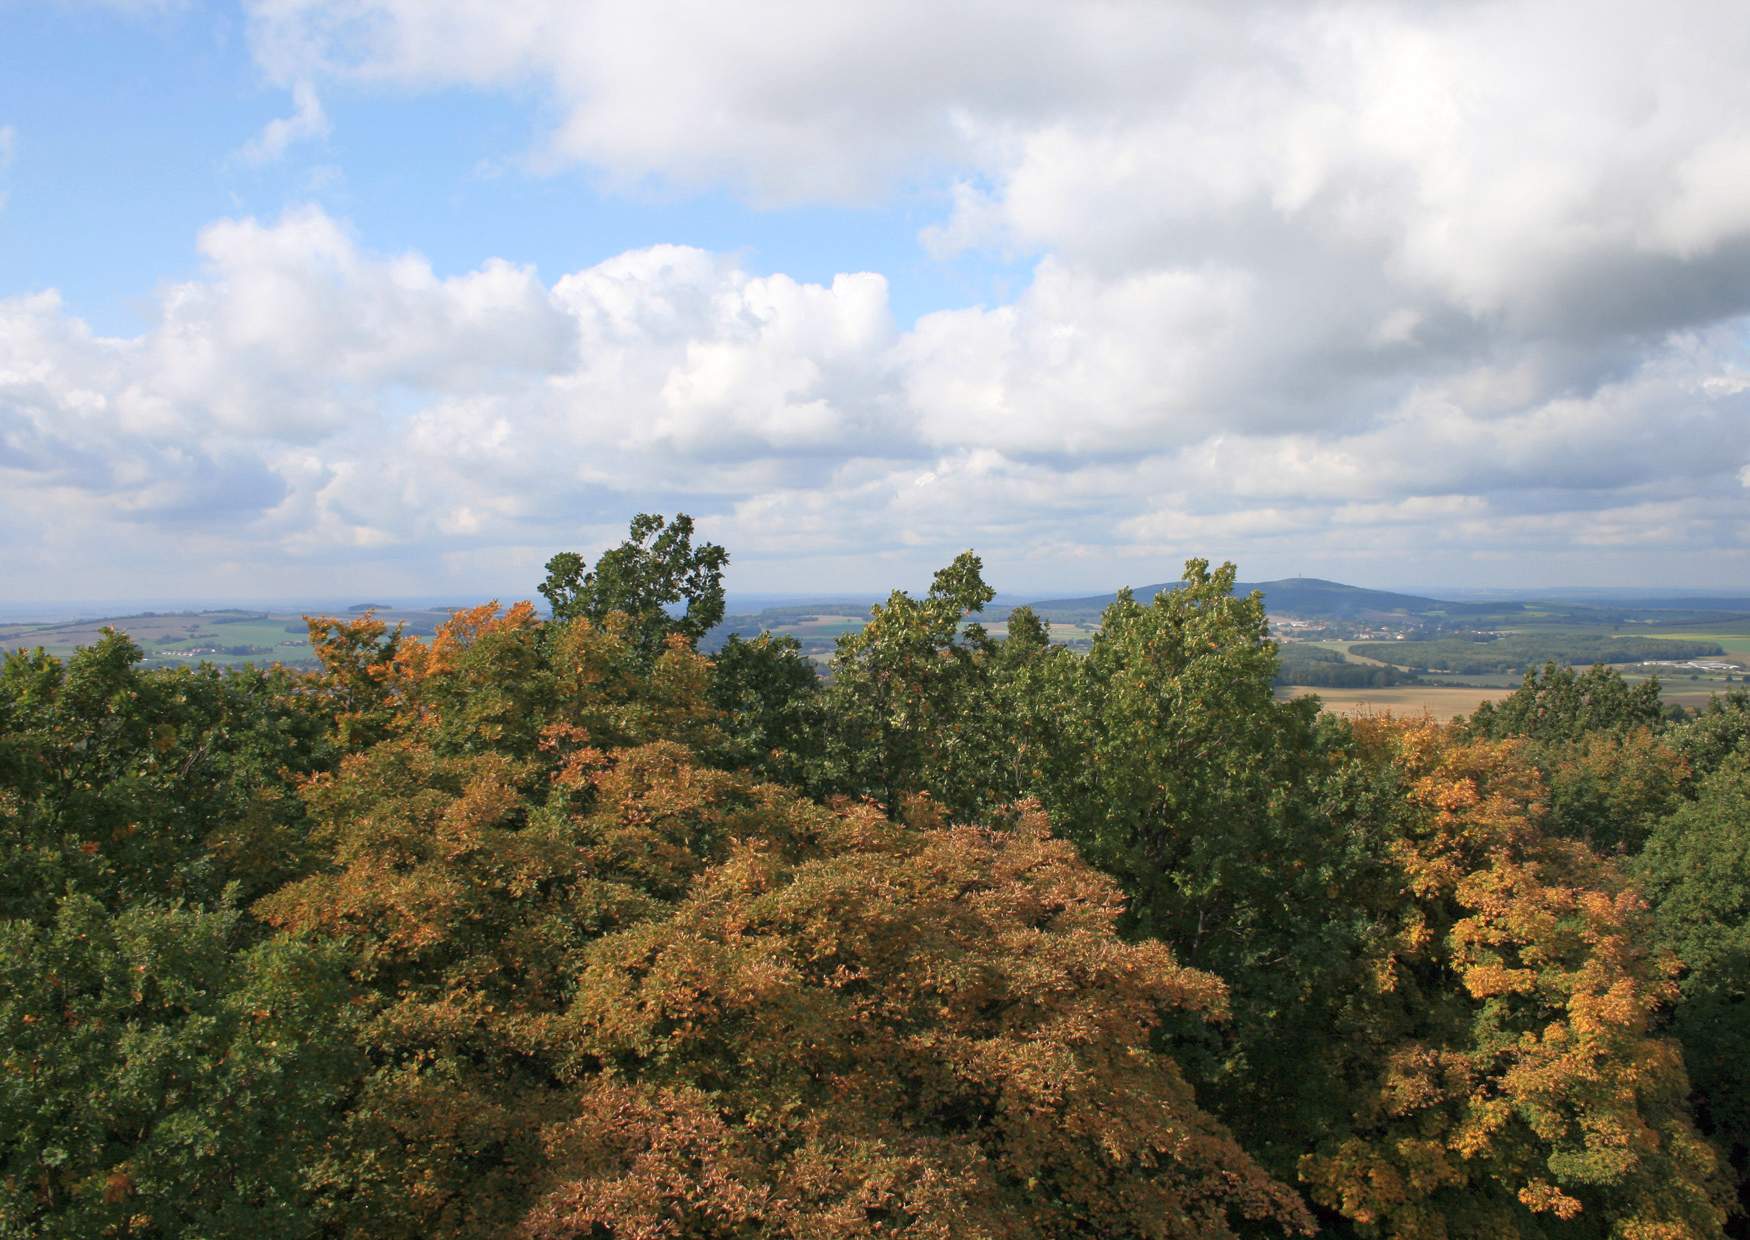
1309	597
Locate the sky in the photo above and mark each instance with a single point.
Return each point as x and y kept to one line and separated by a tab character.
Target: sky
400	297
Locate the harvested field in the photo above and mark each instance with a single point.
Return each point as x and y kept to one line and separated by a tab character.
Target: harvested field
1442	703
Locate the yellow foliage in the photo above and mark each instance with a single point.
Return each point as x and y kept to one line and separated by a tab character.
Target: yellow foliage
1554	1092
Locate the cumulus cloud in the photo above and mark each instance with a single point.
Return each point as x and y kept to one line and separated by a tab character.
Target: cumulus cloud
317	398
307	399
291	337
1347	284
771	99
1325	202
1487	152
307	121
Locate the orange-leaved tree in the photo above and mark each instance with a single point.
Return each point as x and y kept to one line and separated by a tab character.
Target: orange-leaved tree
1522	1088
871	1029
607	989
353	657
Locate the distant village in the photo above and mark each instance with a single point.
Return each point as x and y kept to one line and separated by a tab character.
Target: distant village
1297	629
1695	665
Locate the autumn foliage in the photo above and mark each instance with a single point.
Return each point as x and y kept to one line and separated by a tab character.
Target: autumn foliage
619	988
1536	1086
563	928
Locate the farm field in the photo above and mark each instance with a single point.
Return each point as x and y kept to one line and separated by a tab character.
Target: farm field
1341	646
225	637
1442	702
1689	698
1066	632
1445	702
825	625
1509	650
221	637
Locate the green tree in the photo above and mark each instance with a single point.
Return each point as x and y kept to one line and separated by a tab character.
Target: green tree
1235	829
1557	703
1720	730
167	1068
158	1077
124	783
1601	745
1696	871
1609	788
518	931
643	578
771	701
1179	756
898	702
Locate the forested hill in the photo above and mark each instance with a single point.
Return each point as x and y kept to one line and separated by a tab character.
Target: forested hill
1309	597
1314	598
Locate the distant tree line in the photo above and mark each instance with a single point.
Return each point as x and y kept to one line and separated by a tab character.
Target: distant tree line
1485	654
560	928
1301	664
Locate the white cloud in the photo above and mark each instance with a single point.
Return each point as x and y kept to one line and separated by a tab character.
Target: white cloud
769	99
1482	150
1081	364
1269	218
292	336
1364	284
305	401
307	122
305	393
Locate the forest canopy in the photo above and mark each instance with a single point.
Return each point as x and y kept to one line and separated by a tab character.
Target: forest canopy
557	927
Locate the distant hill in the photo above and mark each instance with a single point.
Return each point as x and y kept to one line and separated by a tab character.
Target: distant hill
1657	602
1310	597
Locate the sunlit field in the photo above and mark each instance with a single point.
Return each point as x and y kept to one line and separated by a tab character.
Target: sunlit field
1441	703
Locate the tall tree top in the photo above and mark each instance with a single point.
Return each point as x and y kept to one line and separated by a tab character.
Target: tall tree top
644	577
